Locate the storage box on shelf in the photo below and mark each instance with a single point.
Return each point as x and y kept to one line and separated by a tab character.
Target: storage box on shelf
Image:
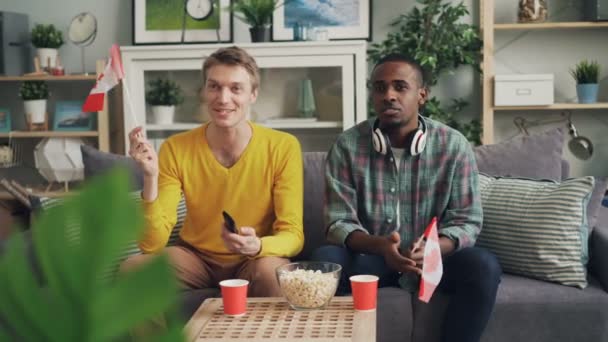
336	70
23	141
489	106
523	90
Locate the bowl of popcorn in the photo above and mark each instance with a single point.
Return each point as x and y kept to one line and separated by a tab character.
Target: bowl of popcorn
309	285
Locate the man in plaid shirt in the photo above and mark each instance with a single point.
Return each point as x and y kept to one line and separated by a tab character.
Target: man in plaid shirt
387	178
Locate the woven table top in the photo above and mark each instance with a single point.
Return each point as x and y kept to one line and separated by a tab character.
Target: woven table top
271	319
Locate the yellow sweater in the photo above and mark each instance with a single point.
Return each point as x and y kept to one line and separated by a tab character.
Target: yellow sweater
263	190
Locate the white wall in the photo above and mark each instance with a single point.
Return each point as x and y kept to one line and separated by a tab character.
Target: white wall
520	52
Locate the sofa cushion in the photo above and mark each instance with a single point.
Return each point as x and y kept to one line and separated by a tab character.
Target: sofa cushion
528	310
97	162
537	228
537	156
593	209
314	198
129	249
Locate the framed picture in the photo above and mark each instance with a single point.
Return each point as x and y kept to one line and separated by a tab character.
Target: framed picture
342	19
160	21
70	117
5	120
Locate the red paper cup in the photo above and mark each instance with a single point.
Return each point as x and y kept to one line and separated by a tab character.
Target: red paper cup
365	292
234	296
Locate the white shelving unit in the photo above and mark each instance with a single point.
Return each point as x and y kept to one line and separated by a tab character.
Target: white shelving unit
489	28
337	70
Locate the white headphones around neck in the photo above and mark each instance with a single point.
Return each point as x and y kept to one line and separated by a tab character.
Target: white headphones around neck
414	143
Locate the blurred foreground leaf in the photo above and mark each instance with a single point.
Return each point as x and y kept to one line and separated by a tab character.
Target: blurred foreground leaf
76	243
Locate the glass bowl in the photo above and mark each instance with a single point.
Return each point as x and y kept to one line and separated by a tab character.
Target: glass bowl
308	285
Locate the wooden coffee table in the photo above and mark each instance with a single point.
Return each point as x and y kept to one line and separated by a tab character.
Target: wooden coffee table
271	319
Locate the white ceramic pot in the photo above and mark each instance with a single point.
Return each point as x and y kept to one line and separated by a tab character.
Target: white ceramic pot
35	111
163	115
48	57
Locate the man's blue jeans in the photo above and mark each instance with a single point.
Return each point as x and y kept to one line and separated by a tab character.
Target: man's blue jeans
470	276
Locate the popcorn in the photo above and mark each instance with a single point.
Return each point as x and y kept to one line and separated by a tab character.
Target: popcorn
307	288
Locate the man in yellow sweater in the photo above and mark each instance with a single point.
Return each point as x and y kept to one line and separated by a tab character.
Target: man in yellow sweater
228	164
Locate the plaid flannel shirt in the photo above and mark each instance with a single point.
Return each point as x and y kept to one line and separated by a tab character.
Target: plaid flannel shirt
364	188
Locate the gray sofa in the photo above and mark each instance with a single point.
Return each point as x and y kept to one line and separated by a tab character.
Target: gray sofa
526	309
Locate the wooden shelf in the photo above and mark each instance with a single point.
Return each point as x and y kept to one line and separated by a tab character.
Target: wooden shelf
558	106
295	125
48	134
5	195
50	78
554	25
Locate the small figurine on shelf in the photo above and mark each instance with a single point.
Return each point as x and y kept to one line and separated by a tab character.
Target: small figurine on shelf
532	11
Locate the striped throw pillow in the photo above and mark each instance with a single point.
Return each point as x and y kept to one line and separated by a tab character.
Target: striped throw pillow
130	248
537	228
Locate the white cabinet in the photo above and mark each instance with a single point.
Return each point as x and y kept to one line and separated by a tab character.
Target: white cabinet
337	71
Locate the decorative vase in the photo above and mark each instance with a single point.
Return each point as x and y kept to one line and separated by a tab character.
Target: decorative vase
47	57
260	34
35	111
532	11
306	99
163	115
587	92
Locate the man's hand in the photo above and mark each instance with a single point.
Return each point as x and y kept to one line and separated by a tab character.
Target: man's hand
245	243
142	151
416	251
395	260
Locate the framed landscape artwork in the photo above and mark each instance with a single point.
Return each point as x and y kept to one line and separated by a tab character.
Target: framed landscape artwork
70	117
343	19
160	22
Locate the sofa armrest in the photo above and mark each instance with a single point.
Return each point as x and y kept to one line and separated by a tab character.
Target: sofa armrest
598	264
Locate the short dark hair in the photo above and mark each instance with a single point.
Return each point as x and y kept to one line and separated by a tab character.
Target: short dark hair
399	57
233	55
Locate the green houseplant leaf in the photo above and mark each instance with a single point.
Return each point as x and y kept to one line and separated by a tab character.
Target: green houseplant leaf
163	92
256	13
75	244
46	36
433	34
34	90
586	72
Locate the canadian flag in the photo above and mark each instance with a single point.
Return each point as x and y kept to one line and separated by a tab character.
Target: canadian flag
112	74
432	267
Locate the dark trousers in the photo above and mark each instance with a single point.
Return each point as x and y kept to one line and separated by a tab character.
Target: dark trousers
470	276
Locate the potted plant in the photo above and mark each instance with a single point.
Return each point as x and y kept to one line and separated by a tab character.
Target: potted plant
258	14
34	95
163	96
47	39
76	245
586	74
434	34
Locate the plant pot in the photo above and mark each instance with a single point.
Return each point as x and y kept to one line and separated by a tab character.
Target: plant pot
48	57
587	92
260	34
35	111
163	115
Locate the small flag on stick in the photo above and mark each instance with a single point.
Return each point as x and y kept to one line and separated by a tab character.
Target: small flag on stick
108	79
432	266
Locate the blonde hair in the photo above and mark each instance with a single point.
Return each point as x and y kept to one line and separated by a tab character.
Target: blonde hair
233	55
